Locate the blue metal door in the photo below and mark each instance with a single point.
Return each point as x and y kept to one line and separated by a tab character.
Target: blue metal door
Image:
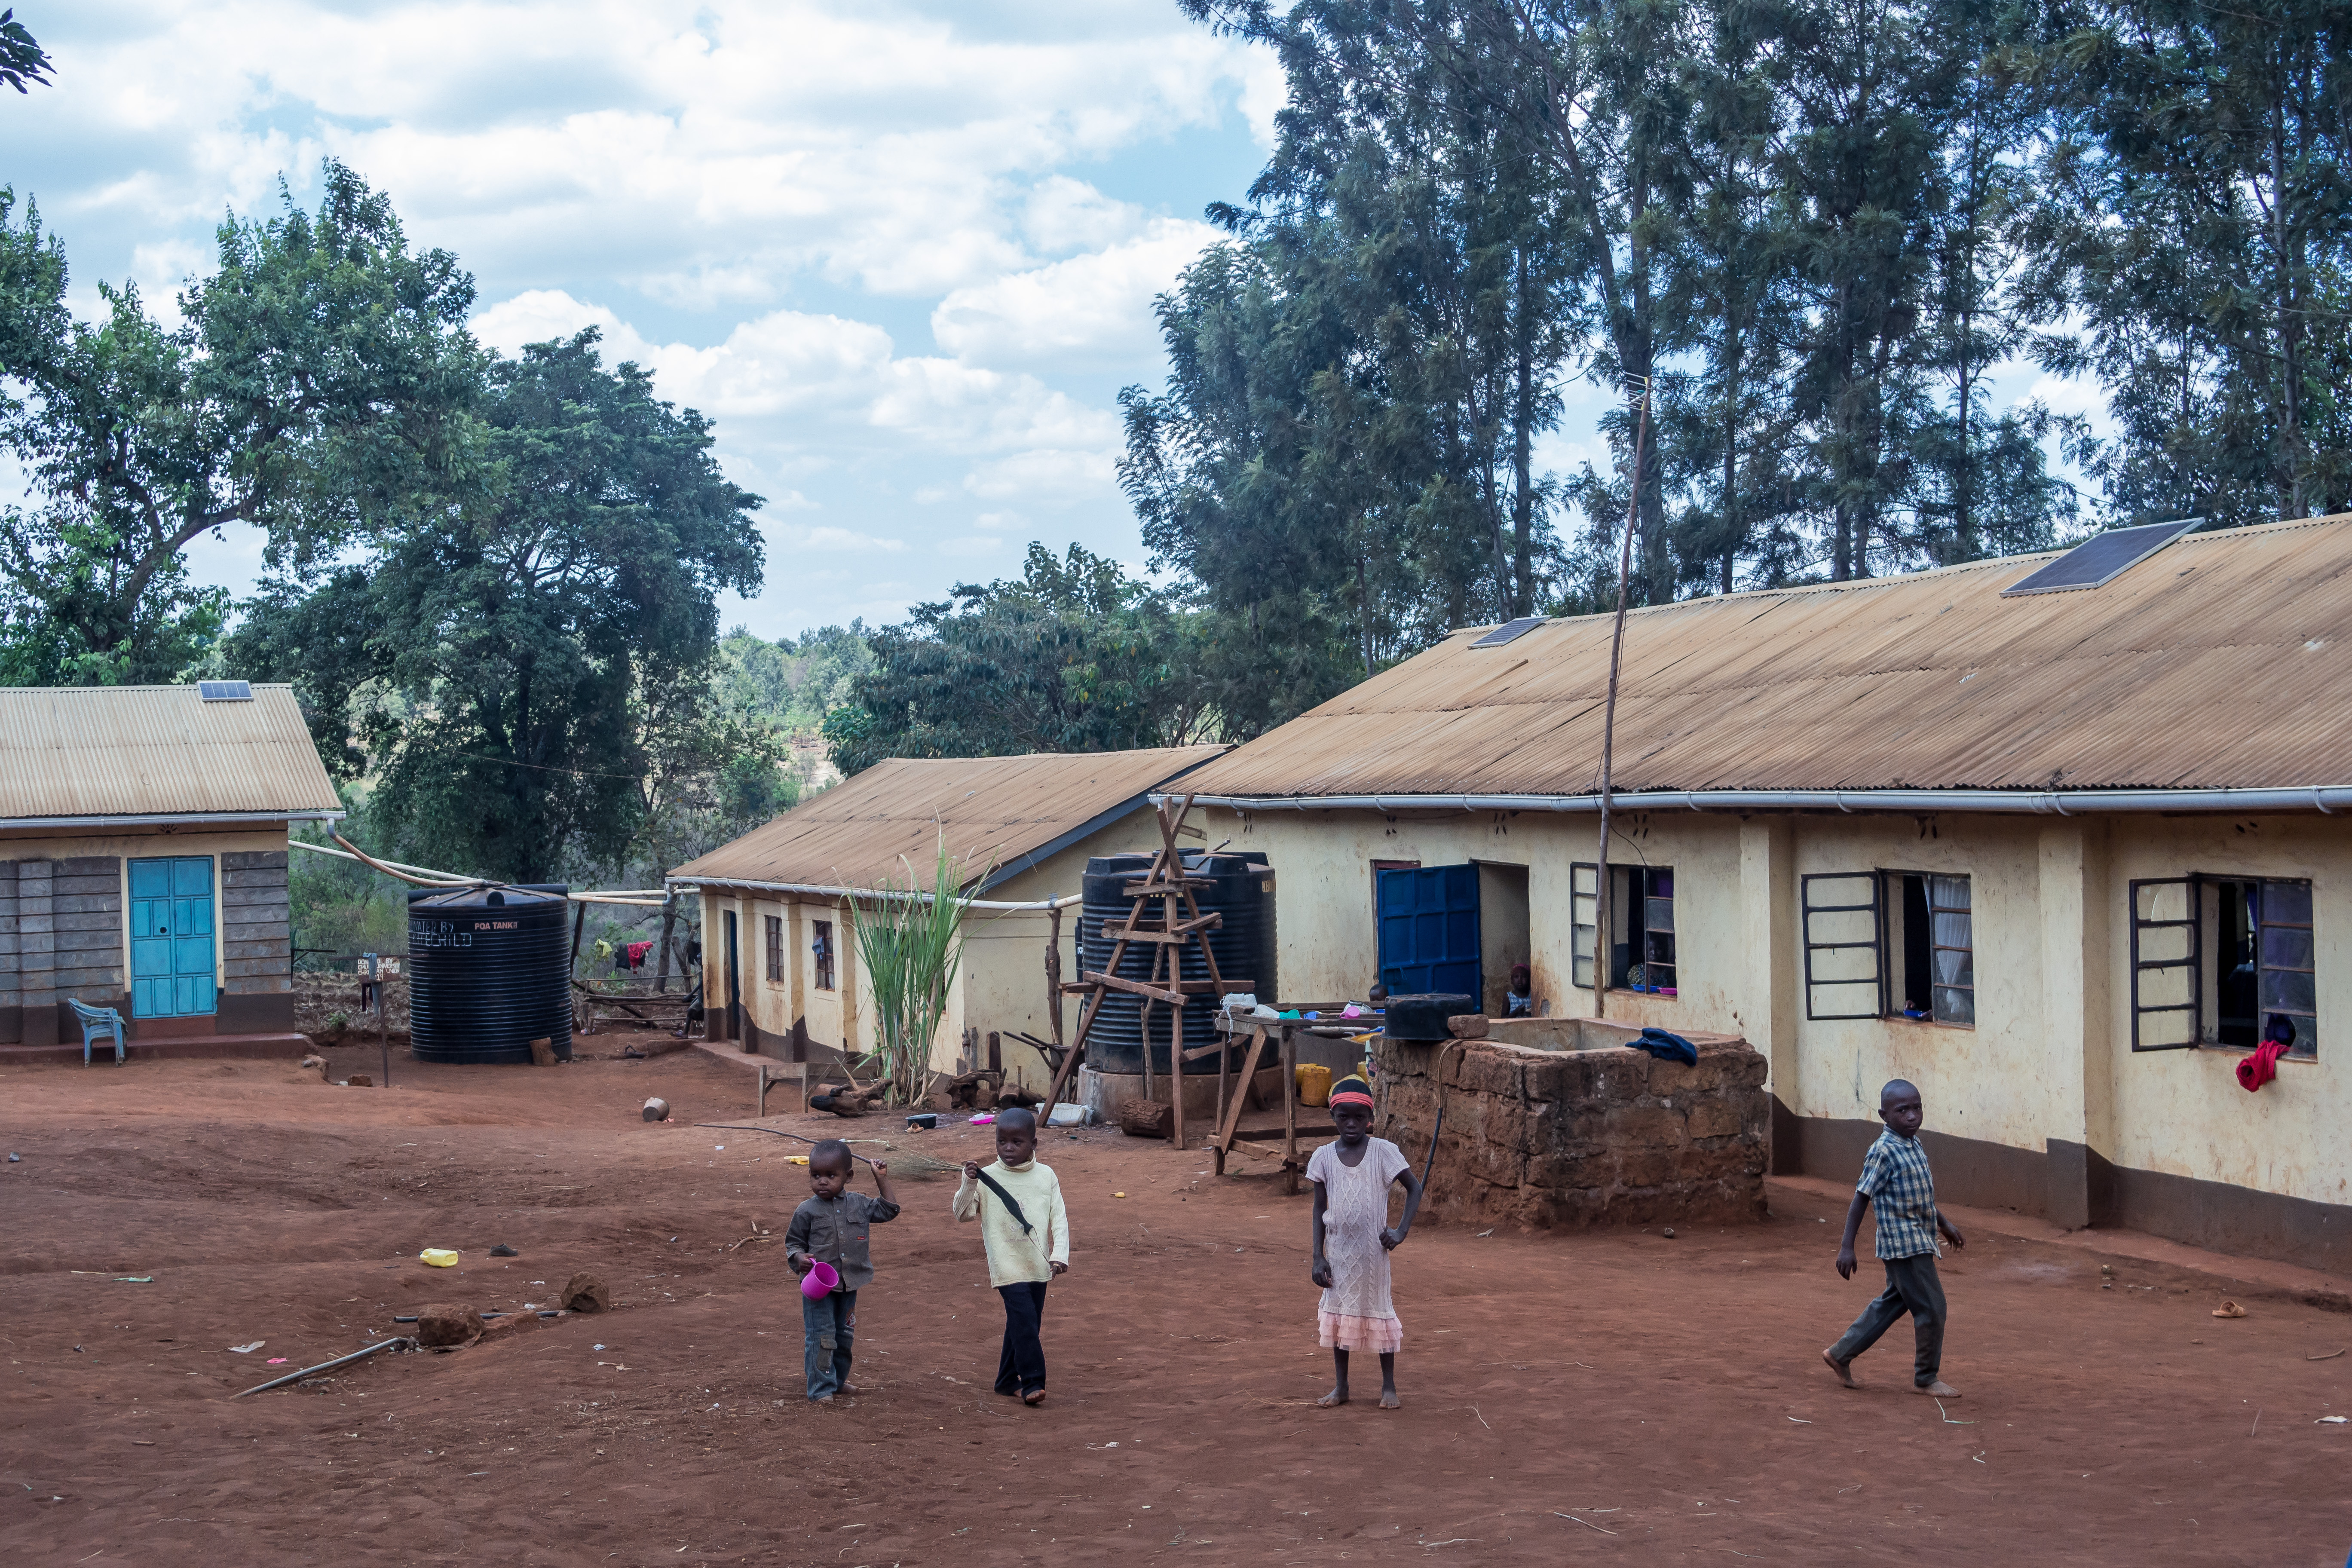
1429	930
172	973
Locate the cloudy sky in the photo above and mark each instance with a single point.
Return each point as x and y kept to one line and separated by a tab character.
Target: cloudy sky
903	254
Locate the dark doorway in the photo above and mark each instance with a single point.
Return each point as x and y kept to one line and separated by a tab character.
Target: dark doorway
734	983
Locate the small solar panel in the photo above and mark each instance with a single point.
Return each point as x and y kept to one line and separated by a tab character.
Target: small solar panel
2102	558
224	691
1509	630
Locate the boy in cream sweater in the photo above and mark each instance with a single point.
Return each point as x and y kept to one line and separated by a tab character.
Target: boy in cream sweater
1018	1202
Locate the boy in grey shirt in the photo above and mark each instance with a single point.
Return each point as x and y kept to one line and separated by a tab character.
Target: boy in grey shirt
833	1227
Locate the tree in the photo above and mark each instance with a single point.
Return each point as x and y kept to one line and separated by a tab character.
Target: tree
21	58
320	383
2190	251
1072	656
527	670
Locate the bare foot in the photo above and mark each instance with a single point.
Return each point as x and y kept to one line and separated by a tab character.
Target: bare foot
1336	1399
1938	1389
1389	1401
1844	1369
1034	1396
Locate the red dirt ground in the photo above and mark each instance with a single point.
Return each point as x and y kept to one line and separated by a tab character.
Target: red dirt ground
1616	1397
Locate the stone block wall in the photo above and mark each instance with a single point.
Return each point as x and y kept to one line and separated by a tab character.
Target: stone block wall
1571	1138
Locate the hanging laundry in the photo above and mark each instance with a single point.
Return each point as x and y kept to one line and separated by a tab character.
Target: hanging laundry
637	950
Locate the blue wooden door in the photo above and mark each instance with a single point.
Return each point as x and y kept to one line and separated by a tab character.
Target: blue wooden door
172	973
1429	930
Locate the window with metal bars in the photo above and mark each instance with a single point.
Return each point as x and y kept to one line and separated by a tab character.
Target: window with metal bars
1889	944
823	947
2215	958
775	948
1642	952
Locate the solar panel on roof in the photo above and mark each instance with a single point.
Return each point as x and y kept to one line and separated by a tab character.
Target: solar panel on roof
1508	630
2102	558
224	691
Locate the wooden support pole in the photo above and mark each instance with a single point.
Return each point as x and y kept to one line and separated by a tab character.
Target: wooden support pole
1289	1110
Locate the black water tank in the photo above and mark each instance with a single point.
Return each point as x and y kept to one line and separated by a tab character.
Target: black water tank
489	972
1236	890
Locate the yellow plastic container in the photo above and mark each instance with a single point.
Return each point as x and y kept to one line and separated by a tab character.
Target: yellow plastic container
1314	1084
437	1256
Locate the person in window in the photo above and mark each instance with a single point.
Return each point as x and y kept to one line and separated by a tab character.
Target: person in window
1519	1001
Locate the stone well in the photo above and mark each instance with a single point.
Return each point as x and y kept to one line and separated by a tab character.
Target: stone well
1556	1122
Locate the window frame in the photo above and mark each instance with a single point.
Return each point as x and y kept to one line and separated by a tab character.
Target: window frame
1629	881
1884	885
821	946
2194	891
775	934
2209	1024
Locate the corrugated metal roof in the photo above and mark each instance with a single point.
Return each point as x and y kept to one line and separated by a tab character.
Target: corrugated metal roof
992	810
2219	662
155	751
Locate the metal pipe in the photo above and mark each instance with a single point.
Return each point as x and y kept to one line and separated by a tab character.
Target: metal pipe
2325	799
100	823
326	1367
693	884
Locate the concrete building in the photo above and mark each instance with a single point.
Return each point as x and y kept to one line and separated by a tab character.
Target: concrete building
142	864
781	974
2054	856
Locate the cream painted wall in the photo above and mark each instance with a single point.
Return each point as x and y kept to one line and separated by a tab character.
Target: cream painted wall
2182	1111
2049	1056
1000	984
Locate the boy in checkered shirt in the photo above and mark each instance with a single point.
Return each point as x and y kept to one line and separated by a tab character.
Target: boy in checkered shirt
1895	1177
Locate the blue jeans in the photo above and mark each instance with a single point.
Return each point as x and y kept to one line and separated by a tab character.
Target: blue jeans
831	1322
1021	1366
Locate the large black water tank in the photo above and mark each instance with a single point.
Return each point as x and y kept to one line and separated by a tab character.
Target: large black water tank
489	972
1237	890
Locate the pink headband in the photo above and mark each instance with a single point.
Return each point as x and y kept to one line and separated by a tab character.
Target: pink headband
1353	1097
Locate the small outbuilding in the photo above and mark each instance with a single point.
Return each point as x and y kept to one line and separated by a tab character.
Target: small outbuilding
142	864
781	974
2059	845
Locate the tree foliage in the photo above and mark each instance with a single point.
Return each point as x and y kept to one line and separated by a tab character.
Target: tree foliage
526	668
320	378
1072	656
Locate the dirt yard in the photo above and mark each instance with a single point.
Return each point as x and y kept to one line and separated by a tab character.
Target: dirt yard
1605	1397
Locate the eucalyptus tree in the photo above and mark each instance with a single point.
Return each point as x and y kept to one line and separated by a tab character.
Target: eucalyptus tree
2190	251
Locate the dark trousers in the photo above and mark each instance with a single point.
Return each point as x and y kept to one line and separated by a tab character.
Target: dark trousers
1911	1287
831	1325
1022	1368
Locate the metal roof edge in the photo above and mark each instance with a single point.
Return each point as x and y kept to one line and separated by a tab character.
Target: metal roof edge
168	819
744	884
2322	798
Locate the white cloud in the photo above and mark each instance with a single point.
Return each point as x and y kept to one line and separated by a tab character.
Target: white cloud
1094	309
763	201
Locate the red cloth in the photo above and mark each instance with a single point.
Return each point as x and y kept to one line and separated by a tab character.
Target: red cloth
2258	1069
637	950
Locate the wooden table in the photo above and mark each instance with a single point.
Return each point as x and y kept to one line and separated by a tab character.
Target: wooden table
1283	1034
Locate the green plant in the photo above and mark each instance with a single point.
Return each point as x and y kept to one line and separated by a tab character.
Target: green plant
909	941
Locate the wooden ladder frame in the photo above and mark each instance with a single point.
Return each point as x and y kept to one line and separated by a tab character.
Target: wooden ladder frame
1164	882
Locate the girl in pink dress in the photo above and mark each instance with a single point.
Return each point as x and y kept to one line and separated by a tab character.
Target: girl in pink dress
1353	1238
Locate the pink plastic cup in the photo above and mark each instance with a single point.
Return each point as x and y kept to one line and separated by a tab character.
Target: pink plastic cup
820	1280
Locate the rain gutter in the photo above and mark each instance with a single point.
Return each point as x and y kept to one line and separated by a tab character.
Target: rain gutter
92	824
2322	798
696	884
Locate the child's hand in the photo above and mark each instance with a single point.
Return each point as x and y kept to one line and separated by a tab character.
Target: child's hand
1392	1239
972	1169
1319	1271
881	1168
1059	1268
1951	1232
800	1262
1845	1263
